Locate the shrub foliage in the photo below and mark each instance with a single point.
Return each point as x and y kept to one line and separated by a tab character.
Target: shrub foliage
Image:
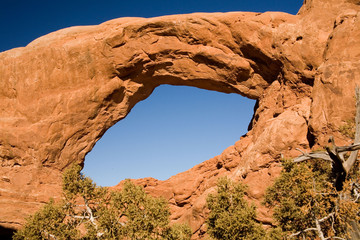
231	216
307	204
92	212
305	201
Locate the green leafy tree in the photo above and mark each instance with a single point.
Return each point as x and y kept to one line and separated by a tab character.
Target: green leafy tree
231	216
178	232
48	223
308	205
317	194
92	212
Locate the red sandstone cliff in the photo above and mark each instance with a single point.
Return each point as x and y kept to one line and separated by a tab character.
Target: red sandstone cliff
61	93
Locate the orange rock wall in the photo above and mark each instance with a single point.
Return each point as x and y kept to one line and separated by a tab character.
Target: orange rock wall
61	93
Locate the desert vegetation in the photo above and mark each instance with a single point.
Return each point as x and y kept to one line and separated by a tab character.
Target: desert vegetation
231	216
305	202
316	196
91	212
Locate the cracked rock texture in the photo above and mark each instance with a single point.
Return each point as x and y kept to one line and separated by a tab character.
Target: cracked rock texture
61	93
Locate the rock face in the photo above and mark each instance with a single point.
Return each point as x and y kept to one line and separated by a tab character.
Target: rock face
61	93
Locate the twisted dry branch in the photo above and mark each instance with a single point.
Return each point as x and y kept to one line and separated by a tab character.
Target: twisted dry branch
336	154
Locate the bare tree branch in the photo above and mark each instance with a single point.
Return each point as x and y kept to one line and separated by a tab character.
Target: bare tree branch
318	229
89	211
78	217
327	217
353	156
355	189
336	155
304	153
313	155
49	235
298	233
340	167
352	147
335	238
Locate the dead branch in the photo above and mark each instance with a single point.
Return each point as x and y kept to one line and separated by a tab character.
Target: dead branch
340	167
313	155
318	230
352	147
336	154
355	191
49	235
327	217
335	238
298	233
353	156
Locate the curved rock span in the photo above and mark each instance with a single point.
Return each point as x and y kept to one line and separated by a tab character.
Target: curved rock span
61	93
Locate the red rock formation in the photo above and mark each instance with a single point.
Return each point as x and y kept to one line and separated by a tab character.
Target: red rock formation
61	93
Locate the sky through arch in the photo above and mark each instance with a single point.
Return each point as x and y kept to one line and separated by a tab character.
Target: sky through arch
174	129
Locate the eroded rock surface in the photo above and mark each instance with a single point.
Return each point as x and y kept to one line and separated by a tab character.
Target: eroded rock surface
61	93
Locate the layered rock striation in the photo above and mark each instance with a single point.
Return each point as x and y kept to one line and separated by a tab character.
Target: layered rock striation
59	95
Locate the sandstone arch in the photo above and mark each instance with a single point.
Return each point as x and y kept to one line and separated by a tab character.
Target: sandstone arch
61	93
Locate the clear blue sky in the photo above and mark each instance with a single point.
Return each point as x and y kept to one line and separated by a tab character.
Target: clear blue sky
176	127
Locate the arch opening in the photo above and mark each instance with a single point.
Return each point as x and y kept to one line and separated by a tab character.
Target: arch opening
174	129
